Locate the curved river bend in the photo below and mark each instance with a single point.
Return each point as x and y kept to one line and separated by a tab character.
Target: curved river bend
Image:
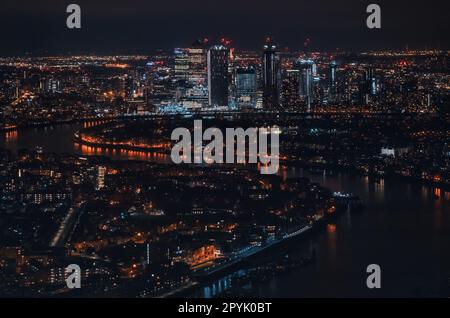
405	229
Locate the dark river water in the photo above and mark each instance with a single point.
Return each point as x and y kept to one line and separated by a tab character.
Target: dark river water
405	229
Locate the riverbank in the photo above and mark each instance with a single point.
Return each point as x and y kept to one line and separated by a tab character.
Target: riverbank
79	139
258	252
251	252
404	229
376	178
50	123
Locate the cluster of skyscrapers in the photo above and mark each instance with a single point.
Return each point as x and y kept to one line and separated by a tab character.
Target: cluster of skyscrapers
214	77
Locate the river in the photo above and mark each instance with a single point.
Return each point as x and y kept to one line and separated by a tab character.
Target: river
58	139
405	229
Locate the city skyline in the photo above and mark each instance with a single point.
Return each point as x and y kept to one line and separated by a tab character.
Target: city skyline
245	149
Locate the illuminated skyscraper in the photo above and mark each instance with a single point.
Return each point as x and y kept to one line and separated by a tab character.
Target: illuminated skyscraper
271	77
371	83
17	89
101	171
218	79
197	63
52	85
332	79
367	86
291	91
181	67
196	94
148	87
246	87
306	81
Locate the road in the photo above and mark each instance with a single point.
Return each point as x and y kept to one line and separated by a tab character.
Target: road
68	225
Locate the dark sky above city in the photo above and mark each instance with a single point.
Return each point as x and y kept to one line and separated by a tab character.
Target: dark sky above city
141	26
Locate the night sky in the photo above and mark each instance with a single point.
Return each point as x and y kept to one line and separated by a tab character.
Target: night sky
141	26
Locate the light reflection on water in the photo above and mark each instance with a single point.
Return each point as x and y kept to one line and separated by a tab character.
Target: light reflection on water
122	154
405	228
59	139
11	136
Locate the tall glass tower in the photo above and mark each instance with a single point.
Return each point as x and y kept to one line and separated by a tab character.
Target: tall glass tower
246	87
218	79
271	77
306	81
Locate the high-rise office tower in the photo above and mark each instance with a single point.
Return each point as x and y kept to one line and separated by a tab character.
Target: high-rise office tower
181	72
271	77
53	85
246	87
306	81
181	64
371	84
367	86
218	79
362	95
101	172
17	89
290	91
197	63
148	87
332	80
196	92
